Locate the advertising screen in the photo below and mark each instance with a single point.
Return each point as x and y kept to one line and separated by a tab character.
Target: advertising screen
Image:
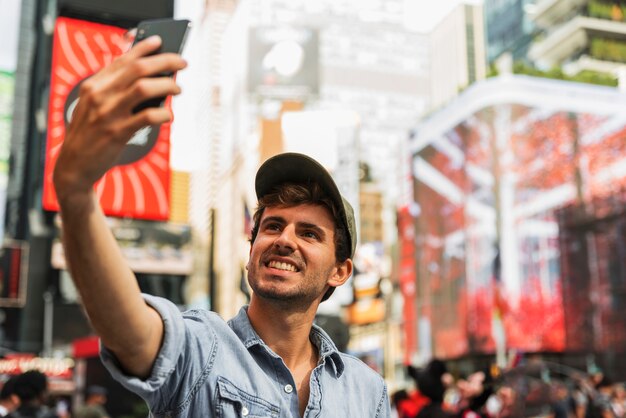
138	185
283	62
488	239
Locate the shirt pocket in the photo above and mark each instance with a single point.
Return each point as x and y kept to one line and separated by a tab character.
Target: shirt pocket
234	402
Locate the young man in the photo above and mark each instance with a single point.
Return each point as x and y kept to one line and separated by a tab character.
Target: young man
268	361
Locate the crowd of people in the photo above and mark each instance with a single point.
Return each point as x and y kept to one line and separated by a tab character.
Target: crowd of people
26	396
523	391
533	390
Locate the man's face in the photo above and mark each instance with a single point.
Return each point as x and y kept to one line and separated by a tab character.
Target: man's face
293	256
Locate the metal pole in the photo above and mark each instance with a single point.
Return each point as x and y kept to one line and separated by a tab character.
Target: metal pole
48	316
213	291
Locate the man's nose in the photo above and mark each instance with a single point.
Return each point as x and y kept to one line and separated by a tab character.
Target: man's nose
286	239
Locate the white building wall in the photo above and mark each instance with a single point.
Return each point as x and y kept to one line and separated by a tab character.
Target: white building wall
451	51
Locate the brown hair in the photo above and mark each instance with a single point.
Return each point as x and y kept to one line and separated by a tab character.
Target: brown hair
289	194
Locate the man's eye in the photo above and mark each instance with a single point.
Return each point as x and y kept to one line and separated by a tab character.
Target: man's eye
272	227
310	234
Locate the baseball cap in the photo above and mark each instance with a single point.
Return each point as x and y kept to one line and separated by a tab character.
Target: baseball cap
297	168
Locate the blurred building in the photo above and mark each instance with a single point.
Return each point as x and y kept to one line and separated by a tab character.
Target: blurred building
508	28
371	203
368	63
7	83
457	53
201	147
179	210
516	228
580	35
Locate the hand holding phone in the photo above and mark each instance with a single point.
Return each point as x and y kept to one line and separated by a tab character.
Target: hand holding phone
173	34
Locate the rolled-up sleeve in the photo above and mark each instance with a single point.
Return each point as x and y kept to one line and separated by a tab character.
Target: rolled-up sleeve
169	353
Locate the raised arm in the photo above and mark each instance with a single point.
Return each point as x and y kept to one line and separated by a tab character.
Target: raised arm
101	125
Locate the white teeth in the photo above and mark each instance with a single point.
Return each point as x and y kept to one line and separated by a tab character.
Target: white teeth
281	266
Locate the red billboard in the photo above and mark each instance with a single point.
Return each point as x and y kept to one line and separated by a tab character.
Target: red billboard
138	186
490	248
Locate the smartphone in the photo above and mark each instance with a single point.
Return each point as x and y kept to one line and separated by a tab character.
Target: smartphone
173	33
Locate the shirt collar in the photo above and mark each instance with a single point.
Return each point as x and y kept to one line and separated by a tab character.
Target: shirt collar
327	349
241	326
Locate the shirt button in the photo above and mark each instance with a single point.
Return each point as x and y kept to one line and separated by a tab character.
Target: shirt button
244	411
288	388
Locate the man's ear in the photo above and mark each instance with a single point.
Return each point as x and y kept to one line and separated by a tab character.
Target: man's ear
343	271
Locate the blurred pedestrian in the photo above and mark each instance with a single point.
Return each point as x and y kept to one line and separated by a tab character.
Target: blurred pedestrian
579	398
93	407
474	392
32	389
409	402
397	398
9	401
599	405
560	400
502	403
431	382
618	401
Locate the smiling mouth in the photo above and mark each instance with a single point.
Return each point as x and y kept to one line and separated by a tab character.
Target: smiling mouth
282	266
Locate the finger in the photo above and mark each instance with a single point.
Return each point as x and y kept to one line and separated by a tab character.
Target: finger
147	117
167	63
145	47
132	61
127	73
137	63
148	88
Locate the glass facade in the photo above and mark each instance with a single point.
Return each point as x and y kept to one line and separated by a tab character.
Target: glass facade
508	28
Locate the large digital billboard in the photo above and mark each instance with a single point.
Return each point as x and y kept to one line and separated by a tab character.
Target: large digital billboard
489	186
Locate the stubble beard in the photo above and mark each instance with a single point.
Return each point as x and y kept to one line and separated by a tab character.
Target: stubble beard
298	296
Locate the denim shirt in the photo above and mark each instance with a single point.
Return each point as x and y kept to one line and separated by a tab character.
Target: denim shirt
209	368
